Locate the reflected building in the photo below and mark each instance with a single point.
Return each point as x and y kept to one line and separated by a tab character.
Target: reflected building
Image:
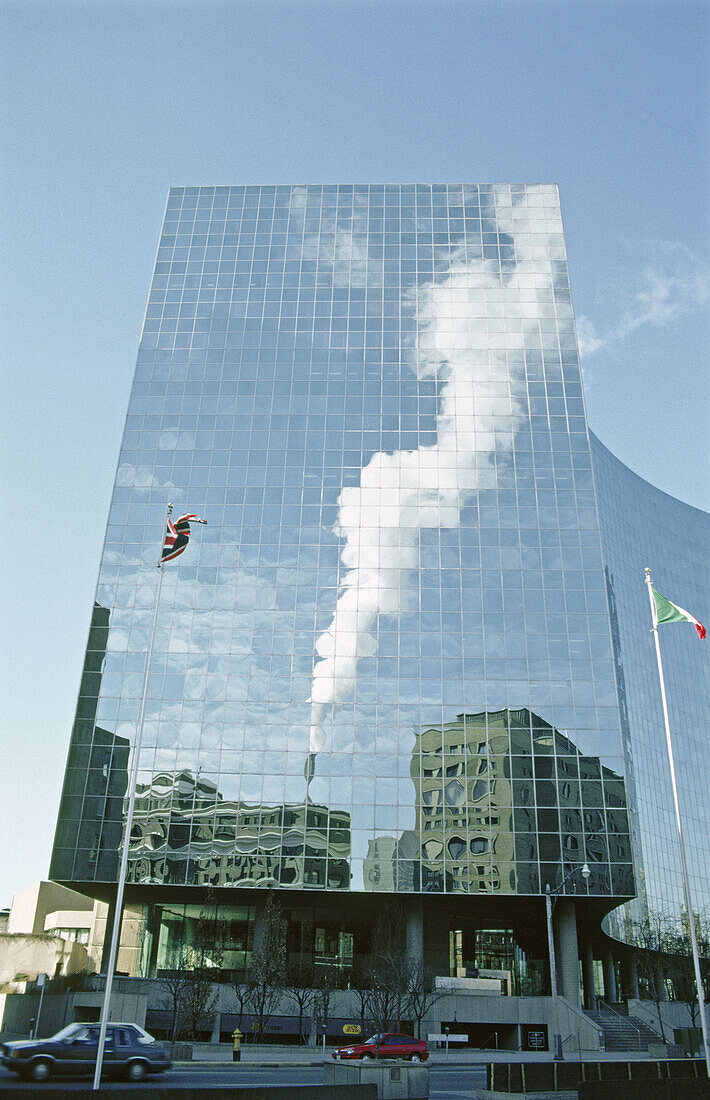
185	832
505	802
409	655
91	812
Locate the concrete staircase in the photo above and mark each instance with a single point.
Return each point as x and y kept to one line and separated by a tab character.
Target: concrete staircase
622	1032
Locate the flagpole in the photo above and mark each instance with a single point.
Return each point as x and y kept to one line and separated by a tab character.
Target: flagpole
679	823
128	824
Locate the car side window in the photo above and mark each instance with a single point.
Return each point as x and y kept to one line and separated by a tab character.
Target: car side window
123	1037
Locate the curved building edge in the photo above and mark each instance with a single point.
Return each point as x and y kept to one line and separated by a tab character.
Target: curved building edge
642	525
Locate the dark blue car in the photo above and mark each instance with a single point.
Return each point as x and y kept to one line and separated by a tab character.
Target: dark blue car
130	1052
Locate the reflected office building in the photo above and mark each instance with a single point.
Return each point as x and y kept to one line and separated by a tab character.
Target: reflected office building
504	802
410	655
184	832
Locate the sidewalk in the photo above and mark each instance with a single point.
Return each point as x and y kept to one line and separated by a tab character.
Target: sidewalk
272	1056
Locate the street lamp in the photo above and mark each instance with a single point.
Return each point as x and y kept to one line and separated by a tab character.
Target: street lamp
549	906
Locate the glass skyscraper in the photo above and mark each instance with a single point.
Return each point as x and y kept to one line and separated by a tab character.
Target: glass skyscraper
407	655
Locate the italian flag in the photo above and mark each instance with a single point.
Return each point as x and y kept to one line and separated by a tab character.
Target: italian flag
667	612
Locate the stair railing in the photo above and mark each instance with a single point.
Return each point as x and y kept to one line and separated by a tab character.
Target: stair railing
621	1017
574	1035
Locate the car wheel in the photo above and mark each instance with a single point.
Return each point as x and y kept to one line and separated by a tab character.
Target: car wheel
366	1058
136	1071
415	1057
40	1070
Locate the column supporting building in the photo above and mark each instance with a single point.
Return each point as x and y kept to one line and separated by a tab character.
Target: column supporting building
567	951
414	931
610	990
111	917
588	975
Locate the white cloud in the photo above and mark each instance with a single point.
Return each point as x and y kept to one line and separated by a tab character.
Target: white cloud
587	337
676	285
140	477
466	321
666	294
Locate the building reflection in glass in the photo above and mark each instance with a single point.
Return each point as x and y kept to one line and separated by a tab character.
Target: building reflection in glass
185	831
505	803
90	822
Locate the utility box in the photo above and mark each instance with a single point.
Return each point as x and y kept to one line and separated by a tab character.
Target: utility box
395	1080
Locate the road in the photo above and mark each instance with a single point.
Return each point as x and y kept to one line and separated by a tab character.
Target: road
452	1082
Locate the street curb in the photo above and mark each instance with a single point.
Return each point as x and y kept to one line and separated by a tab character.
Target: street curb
251	1065
308	1065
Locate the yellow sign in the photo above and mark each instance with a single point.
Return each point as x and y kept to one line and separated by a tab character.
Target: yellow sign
351	1029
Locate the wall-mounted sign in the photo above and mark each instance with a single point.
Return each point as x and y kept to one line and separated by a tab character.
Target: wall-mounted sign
351	1029
536	1040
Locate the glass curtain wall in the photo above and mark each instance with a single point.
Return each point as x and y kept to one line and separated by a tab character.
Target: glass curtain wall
373	395
642	526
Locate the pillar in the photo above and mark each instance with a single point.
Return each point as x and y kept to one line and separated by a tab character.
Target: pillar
588	975
156	925
415	932
567	951
610	992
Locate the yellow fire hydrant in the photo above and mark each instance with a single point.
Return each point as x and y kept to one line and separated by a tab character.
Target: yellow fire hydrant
236	1045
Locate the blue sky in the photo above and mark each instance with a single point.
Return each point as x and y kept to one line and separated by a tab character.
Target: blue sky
108	104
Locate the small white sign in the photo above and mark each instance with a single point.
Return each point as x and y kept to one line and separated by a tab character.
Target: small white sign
453	1038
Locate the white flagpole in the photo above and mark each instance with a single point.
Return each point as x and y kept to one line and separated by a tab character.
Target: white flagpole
128	824
679	823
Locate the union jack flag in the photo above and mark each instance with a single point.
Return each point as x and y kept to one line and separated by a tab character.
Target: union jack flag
177	536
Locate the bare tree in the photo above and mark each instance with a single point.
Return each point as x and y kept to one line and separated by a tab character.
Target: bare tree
267	975
421	994
326	985
652	935
388	975
242	992
199	1004
360	986
301	990
682	967
174	985
193	969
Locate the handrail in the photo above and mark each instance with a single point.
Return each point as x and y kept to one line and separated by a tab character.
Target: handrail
582	1016
621	1017
576	1011
573	1035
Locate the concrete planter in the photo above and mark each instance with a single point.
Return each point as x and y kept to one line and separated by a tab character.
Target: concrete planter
179	1052
395	1080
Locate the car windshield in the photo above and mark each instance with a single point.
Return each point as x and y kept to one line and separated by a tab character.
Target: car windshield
68	1032
375	1039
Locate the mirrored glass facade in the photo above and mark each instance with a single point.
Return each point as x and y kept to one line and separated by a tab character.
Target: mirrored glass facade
387	664
642	526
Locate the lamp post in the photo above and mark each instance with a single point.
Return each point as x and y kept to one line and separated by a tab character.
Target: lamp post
551	897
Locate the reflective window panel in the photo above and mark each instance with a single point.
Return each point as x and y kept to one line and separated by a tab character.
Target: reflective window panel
386	664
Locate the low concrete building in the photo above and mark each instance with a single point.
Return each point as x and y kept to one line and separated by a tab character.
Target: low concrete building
50	930
48	908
